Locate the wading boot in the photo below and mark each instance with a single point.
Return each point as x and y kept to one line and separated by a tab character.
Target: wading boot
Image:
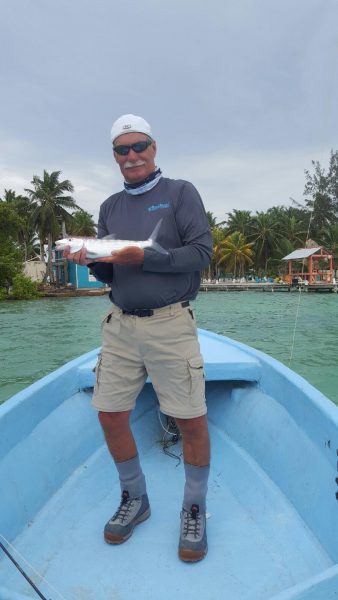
193	536
130	512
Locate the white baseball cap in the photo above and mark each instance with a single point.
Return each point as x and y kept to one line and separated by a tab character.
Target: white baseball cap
129	124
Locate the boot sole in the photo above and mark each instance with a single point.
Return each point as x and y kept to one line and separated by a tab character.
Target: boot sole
110	538
191	555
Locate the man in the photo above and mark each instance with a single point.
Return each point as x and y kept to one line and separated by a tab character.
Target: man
150	328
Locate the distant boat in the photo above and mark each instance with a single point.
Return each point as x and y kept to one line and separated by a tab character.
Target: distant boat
273	492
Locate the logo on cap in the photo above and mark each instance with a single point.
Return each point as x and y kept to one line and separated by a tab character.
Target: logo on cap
126	127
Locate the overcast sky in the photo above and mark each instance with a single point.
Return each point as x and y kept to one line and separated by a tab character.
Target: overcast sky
241	95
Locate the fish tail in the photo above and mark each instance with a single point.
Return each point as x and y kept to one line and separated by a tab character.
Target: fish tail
152	239
153	235
158	248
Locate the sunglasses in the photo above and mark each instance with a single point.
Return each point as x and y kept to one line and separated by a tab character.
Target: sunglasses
138	147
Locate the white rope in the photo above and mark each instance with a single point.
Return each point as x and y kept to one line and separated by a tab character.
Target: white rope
295	327
42	578
299	297
163	427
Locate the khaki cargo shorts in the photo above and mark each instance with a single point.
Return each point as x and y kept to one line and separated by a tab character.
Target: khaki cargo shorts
165	347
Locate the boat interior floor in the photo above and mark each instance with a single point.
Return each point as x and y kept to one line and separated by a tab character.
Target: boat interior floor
258	544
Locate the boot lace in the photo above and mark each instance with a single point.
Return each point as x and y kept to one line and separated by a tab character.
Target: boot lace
192	522
124	508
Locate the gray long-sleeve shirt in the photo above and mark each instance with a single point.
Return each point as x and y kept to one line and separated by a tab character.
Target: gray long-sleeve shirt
163	278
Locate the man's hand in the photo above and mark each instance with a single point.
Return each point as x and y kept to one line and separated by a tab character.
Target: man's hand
77	257
132	255
128	256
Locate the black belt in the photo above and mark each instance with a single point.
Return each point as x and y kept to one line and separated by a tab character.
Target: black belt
148	312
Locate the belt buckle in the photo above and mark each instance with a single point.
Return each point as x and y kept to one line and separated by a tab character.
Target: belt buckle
144	312
139	312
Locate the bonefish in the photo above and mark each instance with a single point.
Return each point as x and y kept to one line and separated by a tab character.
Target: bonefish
100	248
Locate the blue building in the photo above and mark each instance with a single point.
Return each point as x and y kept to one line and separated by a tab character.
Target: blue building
66	272
81	277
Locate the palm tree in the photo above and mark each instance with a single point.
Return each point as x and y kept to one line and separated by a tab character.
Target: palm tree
265	235
283	248
29	243
239	220
27	232
211	219
10	254
50	208
217	236
26	235
82	224
294	230
235	253
329	239
9	196
320	193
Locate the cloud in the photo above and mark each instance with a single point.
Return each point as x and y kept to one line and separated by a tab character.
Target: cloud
226	180
246	181
241	95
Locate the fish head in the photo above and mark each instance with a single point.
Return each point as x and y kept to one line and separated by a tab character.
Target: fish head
75	244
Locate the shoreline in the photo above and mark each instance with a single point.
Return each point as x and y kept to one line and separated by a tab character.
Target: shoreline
205	287
268	287
63	292
74	293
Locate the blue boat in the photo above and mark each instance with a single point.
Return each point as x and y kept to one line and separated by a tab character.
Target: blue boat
272	501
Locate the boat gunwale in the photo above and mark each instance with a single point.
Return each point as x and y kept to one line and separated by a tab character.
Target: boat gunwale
70	374
318	399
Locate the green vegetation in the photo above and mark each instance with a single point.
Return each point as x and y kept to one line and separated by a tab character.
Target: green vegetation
49	208
256	243
243	242
24	288
29	223
11	257
82	224
235	253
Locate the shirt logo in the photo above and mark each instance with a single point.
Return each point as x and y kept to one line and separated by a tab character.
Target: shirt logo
158	206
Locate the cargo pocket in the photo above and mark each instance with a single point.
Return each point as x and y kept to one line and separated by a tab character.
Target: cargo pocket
197	383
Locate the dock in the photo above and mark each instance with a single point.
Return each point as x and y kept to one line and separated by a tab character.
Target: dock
268	287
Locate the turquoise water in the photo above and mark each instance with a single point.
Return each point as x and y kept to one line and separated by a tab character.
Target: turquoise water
38	336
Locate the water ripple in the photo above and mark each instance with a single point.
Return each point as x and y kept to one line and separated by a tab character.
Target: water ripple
39	336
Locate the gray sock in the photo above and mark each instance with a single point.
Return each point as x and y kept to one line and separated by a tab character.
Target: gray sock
131	477
196	486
